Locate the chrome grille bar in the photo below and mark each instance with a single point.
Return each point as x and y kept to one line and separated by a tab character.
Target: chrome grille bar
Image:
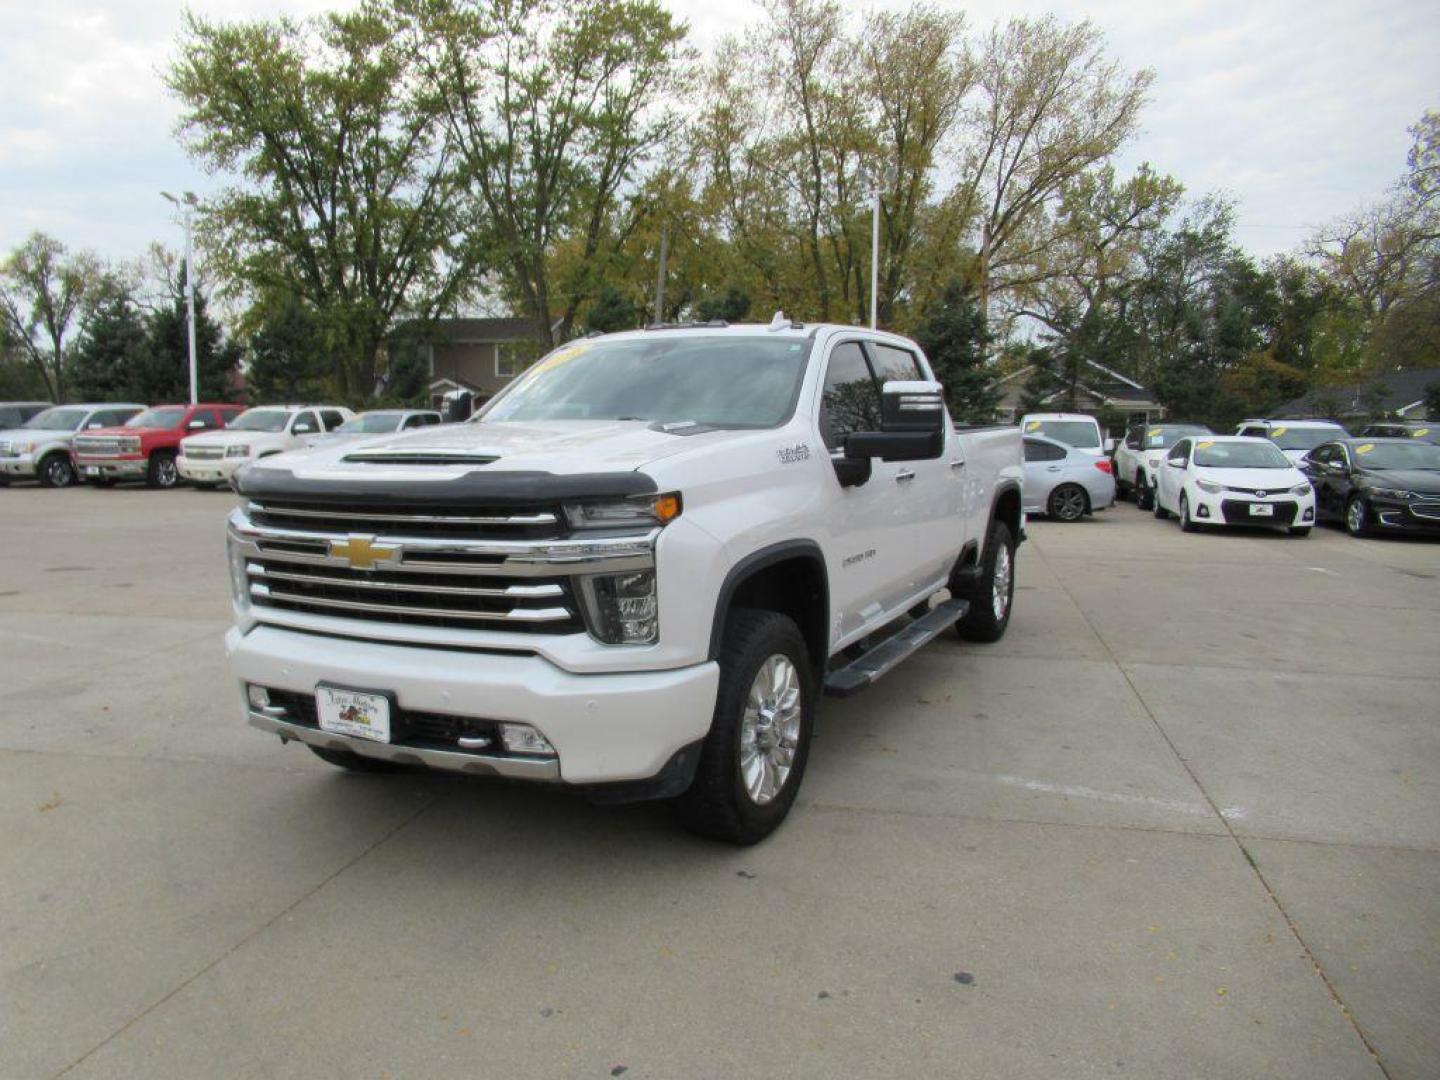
518	615
342	514
510	592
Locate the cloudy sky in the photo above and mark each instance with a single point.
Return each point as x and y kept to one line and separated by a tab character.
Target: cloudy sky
1297	108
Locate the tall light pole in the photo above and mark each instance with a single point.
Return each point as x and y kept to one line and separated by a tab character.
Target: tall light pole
186	206
874	254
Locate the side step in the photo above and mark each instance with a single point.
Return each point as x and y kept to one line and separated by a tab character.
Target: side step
864	670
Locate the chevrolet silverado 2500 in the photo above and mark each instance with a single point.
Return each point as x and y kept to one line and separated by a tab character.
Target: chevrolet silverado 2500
633	573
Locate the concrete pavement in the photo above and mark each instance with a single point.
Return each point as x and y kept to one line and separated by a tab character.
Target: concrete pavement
1184	821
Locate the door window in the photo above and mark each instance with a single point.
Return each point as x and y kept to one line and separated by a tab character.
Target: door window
1134	436
206	417
893	364
1254	432
850	400
333	418
226	415
1181	454
302	419
1035	450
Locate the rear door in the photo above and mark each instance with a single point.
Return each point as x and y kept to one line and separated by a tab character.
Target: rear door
1044	461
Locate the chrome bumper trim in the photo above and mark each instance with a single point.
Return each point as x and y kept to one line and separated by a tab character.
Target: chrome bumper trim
545	770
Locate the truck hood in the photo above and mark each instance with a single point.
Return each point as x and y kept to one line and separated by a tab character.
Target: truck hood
1425	481
557	447
111	432
238	438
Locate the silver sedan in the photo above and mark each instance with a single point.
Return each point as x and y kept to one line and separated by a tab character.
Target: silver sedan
1063	482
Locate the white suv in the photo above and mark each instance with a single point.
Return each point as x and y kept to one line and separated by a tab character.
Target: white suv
1295	437
213	457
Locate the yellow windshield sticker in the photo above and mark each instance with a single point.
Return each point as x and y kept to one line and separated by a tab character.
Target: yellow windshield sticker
1275	433
1205	445
561	356
1033	425
1420	433
1153	432
1365	448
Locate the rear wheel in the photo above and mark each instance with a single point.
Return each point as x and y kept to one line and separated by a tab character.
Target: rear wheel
992	594
354	762
1068	503
162	471
56	471
1143	494
753	759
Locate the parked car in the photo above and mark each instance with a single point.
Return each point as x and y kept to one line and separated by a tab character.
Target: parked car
1427	430
630	574
40	448
1295	437
1377	485
377	422
211	458
1073	429
15	413
1138	458
1234	480
146	446
1063	482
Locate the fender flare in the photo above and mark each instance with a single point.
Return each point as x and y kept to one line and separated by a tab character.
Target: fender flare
757	561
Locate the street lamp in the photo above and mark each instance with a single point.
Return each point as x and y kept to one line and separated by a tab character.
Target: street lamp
877	179
186	205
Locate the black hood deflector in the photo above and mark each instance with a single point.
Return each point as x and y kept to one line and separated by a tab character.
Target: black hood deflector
472	489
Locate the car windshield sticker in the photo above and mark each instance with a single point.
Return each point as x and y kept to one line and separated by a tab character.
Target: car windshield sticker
1420	433
1033	425
1204	445
1275	433
1153	432
561	356
1365	448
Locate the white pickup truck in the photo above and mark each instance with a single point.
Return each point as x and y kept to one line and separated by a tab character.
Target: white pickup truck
633	573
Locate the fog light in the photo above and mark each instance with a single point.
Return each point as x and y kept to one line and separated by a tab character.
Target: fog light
1309	513
1202	511
258	695
524	739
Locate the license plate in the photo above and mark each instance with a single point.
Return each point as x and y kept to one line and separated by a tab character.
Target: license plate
91	470
1262	510
348	712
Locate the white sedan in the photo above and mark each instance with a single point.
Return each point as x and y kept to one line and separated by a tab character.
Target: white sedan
1233	480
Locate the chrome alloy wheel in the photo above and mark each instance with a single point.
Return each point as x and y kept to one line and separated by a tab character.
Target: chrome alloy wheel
1000	582
167	475
1355	516
770	729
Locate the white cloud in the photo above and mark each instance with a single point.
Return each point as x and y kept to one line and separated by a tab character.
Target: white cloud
1297	108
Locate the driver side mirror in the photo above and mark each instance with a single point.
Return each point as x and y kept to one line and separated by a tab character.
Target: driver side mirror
912	425
302	429
196	425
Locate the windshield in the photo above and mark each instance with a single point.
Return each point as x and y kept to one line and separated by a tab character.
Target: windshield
748	382
1239	455
1306	438
158	418
1398	455
375	423
260	420
1082	434
57	420
1164	438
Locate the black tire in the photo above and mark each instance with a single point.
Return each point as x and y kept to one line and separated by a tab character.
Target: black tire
1068	502
1357	517
56	471
982	622
1155	507
1143	494
718	804
354	762
162	472
1299	530
1187	523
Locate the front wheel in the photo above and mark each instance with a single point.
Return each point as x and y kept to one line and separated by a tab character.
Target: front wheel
1067	503
1144	497
1155	507
1187	524
57	472
1357	517
162	472
991	595
754	757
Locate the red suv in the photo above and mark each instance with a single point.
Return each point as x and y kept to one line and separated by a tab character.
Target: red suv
145	447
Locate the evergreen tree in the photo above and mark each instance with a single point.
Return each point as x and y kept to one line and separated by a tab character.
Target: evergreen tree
113	348
732	306
163	373
612	311
956	338
287	359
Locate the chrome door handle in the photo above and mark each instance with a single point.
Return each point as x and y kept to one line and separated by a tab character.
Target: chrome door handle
904	476
958	464
1052	468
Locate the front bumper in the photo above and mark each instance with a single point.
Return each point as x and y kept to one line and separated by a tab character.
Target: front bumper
1234	508
1416	515
209	470
22	465
605	728
112	468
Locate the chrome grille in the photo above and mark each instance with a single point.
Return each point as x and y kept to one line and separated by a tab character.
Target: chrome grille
203	453
105	445
475	568
1429	510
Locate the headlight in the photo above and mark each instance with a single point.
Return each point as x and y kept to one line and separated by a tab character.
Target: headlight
1300	489
1210	486
131	445
239	580
622	609
1392	493
238	450
641	512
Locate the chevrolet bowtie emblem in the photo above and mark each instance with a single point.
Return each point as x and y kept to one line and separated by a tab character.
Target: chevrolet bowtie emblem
361	552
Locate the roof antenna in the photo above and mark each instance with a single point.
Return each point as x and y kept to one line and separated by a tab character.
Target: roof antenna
779	322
